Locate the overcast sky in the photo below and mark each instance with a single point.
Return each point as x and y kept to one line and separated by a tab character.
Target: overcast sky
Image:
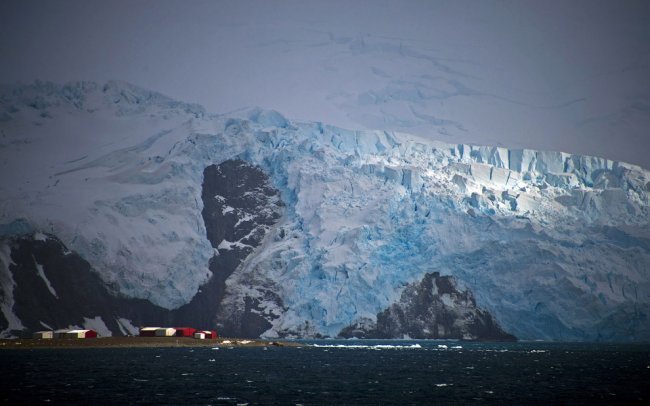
559	75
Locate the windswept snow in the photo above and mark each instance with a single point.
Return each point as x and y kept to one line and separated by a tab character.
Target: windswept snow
126	326
97	324
45	325
41	273
98	179
567	75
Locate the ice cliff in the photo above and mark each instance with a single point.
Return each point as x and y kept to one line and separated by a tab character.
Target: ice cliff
553	245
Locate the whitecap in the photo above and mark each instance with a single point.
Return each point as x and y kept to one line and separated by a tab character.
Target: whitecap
371	347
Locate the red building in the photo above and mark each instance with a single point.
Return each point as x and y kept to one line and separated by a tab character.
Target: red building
185	331
81	334
90	334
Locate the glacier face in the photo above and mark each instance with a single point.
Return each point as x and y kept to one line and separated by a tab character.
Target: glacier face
555	246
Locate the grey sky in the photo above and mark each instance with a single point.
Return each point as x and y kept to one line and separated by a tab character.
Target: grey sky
560	75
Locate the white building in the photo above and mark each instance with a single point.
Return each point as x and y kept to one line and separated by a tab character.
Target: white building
43	334
148	331
165	332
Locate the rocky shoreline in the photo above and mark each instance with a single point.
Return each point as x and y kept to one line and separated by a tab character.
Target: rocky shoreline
138	342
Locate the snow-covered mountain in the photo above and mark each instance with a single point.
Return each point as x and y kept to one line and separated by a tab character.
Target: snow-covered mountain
280	228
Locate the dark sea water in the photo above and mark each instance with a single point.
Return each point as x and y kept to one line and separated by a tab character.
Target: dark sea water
363	372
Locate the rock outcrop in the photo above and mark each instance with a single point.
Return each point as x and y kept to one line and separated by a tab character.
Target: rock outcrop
433	308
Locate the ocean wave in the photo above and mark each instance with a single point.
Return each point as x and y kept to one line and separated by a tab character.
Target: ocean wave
371	347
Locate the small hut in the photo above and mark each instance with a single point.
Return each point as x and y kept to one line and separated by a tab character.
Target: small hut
205	334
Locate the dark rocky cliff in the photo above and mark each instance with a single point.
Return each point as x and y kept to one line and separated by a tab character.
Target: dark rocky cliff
75	291
433	308
239	207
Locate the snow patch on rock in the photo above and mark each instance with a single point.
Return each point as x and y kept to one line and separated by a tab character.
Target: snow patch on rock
97	324
41	273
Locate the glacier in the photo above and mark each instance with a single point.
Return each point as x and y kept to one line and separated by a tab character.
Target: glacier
555	245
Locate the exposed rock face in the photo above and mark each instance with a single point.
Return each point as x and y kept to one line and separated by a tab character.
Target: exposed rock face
55	288
432	309
239	207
